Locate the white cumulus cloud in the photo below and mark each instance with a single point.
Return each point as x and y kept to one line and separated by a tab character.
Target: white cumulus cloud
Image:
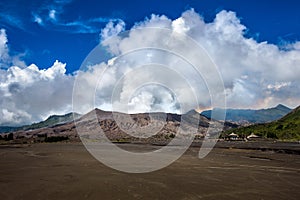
255	74
3	47
112	29
252	71
29	94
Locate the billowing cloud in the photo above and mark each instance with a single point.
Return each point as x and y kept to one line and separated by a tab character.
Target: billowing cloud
112	29
30	94
5	59
3	47
255	74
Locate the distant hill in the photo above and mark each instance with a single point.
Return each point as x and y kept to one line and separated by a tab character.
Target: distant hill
286	128
119	127
50	121
246	116
7	129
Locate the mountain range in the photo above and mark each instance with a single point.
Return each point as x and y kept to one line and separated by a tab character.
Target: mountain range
285	128
239	116
50	121
248	116
116	127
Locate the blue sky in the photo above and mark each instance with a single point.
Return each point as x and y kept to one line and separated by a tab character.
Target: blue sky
55	38
255	46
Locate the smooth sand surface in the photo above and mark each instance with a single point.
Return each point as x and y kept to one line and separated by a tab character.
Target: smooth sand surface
68	171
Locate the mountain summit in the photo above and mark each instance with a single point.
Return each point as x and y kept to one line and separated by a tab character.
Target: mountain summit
285	128
246	116
50	121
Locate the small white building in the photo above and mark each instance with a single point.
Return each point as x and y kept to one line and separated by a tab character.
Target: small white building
233	136
252	136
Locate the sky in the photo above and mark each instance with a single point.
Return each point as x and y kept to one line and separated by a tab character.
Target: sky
254	45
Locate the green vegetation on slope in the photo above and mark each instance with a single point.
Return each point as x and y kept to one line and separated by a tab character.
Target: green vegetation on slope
286	128
50	121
